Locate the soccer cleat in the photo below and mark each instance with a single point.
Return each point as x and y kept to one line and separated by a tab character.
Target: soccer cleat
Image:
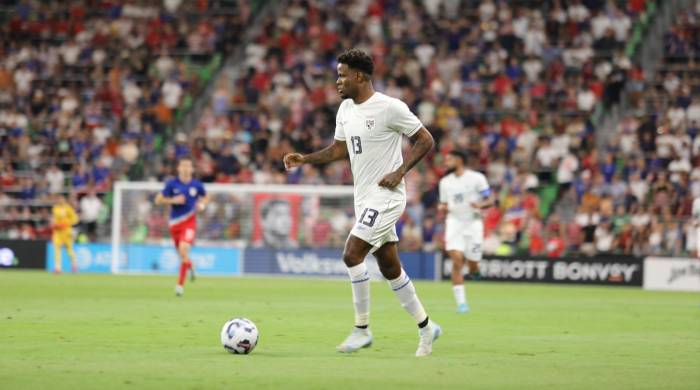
426	336
179	290
358	338
463	308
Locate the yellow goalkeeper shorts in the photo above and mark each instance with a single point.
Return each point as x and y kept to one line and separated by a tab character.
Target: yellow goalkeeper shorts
62	237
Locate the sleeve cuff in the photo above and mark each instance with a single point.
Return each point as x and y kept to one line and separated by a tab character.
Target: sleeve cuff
414	131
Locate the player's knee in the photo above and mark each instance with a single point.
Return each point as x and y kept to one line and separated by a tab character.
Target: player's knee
184	249
473	266
457	261
351	258
390	271
355	251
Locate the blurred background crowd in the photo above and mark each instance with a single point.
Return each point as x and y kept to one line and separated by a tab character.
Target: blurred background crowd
92	91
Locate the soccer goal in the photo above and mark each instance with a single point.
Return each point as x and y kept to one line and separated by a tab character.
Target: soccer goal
258	216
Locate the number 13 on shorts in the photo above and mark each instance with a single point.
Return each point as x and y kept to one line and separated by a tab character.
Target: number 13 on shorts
376	224
368	217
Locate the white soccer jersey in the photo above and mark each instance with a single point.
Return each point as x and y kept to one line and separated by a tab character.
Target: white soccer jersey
696	211
460	191
696	225
373	131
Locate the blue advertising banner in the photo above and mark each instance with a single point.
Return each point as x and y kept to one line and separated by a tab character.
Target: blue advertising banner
143	258
328	263
419	265
91	258
164	259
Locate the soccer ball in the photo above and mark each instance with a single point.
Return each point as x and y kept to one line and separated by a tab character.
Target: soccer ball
239	336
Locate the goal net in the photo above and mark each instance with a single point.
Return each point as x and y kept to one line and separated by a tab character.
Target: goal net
238	216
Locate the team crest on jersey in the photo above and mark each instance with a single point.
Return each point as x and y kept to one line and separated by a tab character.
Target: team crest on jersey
193	191
369	124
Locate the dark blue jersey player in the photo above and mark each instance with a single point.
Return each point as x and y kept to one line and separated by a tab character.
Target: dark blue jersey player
186	196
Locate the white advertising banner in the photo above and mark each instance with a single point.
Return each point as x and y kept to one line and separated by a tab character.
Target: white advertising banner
671	274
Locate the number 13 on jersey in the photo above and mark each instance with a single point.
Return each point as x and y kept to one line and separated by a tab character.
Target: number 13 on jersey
356	144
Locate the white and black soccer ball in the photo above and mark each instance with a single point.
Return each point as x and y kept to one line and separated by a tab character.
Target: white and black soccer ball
239	336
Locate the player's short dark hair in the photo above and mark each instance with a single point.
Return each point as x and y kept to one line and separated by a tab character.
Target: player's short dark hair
358	60
460	155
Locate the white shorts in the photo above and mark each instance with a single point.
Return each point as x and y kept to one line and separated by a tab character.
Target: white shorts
465	237
376	218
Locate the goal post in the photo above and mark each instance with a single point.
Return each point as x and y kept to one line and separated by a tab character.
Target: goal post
238	216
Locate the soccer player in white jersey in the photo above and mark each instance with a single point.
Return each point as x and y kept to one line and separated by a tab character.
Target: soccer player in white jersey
463	194
369	130
696	225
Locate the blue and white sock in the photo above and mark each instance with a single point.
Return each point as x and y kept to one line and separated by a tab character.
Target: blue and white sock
404	290
359	278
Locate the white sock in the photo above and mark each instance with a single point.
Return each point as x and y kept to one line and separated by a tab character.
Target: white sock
460	296
359	278
404	290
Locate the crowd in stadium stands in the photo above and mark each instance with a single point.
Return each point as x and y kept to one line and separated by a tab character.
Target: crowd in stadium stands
657	148
88	89
514	85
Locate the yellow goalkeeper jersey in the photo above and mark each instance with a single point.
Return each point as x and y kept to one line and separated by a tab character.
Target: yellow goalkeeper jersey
64	217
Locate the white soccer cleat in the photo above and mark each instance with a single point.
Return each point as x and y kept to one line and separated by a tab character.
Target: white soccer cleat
426	336
359	338
179	290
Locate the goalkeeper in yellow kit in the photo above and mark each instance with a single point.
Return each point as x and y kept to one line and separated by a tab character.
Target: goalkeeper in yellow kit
63	217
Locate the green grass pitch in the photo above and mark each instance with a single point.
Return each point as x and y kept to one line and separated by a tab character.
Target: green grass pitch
103	331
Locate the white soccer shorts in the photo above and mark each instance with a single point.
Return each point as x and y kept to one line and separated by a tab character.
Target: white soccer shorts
376	218
465	237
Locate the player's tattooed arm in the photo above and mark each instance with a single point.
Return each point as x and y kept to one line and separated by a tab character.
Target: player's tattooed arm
338	150
422	143
486	202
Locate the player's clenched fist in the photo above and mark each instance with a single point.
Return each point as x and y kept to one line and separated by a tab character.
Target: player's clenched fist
293	160
179	199
391	180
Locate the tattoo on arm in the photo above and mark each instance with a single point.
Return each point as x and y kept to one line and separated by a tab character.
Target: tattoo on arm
486	203
422	143
335	151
